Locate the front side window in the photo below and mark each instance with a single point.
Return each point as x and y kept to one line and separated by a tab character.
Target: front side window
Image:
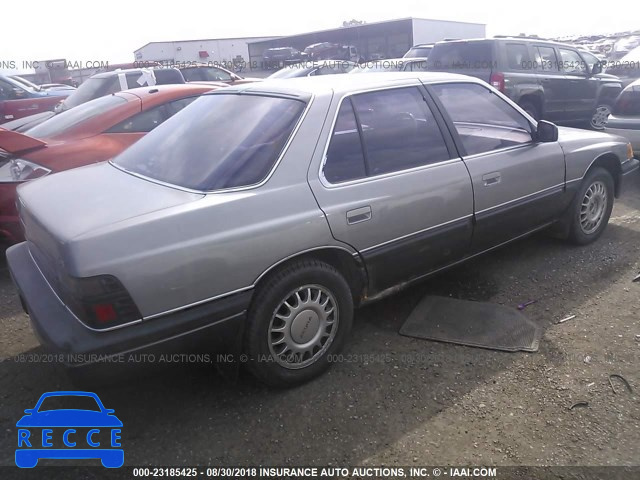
483	120
219	141
590	60
572	63
399	132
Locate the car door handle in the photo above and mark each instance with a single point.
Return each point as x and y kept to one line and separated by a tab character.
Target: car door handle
490	179
359	215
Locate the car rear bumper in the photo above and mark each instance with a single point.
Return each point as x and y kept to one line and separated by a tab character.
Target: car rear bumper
220	321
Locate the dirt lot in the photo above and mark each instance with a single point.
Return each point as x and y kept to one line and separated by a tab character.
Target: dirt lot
396	400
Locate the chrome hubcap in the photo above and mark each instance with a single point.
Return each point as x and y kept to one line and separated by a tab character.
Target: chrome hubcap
594	204
303	326
600	117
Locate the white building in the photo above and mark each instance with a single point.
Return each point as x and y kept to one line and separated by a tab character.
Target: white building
214	50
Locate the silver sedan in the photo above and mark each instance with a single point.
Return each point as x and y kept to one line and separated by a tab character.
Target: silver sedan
261	215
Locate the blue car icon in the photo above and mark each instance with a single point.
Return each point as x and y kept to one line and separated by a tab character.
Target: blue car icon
84	433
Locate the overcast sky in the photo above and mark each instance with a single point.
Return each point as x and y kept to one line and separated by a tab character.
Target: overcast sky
111	31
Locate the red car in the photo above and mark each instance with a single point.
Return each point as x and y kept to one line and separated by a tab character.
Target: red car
18	100
89	133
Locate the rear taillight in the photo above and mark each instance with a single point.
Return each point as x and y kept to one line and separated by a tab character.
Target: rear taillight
100	302
497	81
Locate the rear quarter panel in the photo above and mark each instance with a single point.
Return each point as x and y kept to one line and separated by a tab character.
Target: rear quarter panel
219	244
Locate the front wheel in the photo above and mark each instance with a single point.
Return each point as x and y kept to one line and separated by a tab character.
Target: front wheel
592	207
298	319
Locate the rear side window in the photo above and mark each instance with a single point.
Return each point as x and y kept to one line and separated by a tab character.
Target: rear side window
345	159
518	56
484	121
461	55
399	132
219	141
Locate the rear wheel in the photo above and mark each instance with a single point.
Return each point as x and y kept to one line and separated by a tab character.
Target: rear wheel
592	207
299	317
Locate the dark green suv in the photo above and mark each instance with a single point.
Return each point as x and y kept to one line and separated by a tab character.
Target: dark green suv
549	80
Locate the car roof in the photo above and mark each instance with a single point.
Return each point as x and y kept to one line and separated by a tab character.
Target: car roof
508	39
303	87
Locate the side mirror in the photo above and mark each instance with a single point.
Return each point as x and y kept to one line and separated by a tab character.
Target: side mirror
597	68
29	411
109	411
546	132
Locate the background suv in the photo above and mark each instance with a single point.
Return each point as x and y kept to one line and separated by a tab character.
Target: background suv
549	80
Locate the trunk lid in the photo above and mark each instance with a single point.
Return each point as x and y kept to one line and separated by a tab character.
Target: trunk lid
56	209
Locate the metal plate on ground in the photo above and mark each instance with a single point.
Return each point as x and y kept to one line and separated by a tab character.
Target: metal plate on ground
474	324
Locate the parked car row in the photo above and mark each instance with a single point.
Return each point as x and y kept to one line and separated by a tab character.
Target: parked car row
19	99
259	216
25	115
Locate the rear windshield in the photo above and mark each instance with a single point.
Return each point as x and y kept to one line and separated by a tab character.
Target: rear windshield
60	123
92	88
461	55
219	141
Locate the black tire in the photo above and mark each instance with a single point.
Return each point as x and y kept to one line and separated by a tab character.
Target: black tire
269	299
596	178
531	108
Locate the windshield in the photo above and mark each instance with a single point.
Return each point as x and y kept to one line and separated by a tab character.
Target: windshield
63	121
219	141
90	89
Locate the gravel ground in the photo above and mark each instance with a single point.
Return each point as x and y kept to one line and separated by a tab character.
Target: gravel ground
396	400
